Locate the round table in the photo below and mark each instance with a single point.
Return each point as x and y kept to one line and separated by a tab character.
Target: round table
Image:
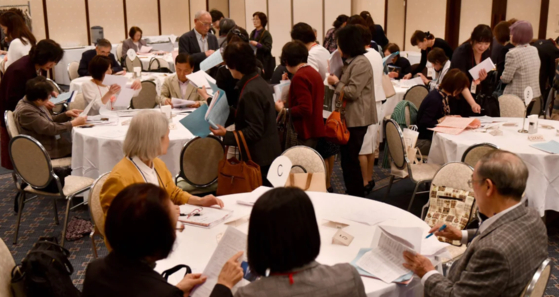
98	149
194	246
157	78
542	190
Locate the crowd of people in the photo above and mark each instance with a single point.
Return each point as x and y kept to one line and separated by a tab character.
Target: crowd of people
140	198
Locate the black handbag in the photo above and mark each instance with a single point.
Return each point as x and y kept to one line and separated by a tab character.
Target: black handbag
488	96
159	68
165	274
286	130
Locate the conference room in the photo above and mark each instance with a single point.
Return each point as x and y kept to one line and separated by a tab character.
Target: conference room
279	148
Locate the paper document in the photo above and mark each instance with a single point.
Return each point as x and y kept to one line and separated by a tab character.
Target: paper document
196	122
63	98
102	120
181	102
453	125
408	83
367	216
203	216
124	97
250	198
232	242
486	64
200	79
388	59
281	91
115	80
335	64
145	49
88	108
218	111
403	280
551	147
213	60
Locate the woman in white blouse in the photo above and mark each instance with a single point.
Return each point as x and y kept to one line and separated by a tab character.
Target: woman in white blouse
20	38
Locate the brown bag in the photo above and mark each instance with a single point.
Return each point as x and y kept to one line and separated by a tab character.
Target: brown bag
238	176
314	182
387	86
335	129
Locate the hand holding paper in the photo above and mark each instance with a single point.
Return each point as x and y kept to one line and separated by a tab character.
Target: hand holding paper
486	64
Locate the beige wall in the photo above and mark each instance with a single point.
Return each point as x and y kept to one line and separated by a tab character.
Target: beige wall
279	21
528	10
252	6
301	13
238	12
375	7
221	5
67	31
417	19
332	9
175	17
395	23
109	14
553	20
473	13
195	6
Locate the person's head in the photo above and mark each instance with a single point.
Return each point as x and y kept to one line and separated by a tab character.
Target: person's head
237	34
498	176
259	20
438	58
202	22
38	90
366	35
350	41
293	54
356	20
340	21
216	17
135	33
183	66
481	39
502	31
103	47
225	26
421	39
147	136
303	32
454	82
521	32
369	19
239	58
14	27
141	222
46	54
99	66
280	222
390	49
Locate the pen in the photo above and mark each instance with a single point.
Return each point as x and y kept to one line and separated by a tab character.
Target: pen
440	229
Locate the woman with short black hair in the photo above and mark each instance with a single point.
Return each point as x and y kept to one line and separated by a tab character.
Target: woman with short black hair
426	41
261	39
134	41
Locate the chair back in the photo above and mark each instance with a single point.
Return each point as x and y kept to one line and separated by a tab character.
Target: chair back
200	161
396	145
511	106
476	151
407	116
119	52
147	97
454	175
159	64
6	266
78	102
11	125
305	159
73	70
95	209
31	161
131	64
416	94
538	284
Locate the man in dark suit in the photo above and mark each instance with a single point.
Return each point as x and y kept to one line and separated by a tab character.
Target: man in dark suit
197	43
505	251
103	48
548	52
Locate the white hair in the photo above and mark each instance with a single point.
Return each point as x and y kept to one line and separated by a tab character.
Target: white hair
199	14
143	139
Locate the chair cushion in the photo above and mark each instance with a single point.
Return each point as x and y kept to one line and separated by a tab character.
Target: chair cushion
61	162
424	171
72	185
181	183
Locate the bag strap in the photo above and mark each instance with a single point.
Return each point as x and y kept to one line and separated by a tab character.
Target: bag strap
245	145
56	257
54	244
307	184
238	145
341	99
165	274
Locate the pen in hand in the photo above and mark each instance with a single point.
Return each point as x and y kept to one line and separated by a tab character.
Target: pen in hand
440	229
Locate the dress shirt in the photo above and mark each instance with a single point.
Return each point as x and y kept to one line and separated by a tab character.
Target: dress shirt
184	86
202	41
148	173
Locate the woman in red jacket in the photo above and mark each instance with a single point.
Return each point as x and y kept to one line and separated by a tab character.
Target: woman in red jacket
306	95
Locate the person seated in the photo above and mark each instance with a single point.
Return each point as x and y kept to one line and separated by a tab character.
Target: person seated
103	48
282	249
318	55
217	16
435	107
135	41
178	86
198	43
507	248
140	226
441	65
399	66
95	90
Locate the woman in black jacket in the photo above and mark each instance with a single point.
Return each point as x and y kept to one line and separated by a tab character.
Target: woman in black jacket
426	41
261	39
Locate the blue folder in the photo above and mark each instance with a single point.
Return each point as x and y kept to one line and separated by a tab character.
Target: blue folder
220	111
196	122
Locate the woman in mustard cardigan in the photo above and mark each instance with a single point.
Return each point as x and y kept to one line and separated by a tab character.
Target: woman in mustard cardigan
147	138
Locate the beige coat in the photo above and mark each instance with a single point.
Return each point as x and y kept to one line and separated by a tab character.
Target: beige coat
359	92
172	89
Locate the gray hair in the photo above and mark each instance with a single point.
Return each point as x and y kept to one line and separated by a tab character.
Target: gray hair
506	170
199	14
143	139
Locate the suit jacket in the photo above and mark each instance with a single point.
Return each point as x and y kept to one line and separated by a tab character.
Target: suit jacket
359	92
522	69
264	52
87	56
172	89
188	43
499	262
115	276
41	125
548	52
129	44
314	279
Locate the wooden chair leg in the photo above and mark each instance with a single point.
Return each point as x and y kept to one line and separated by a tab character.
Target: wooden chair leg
389	187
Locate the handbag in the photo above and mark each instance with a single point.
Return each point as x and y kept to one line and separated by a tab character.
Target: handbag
387	86
286	130
336	129
314	182
238	176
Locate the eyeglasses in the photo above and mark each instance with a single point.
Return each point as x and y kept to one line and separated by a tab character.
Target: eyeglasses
196	212
206	24
472	180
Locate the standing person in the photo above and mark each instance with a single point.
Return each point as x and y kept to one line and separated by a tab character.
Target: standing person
225	26
18	35
134	41
216	17
318	55
255	115
197	42
103	48
426	41
330	38
357	85
401	66
548	51
376	30
261	39
42	57
501	34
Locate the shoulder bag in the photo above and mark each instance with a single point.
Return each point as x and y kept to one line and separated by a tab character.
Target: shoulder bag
336	129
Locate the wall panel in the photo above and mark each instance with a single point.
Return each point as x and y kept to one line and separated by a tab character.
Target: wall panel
279	24
417	11
553	19
221	5
67	24
332	9
526	10
142	13
175	17
109	14
238	12
395	22
310	12
252	6
473	13
195	6
375	7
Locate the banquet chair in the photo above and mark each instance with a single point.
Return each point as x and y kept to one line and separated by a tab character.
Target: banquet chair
32	164
78	102
418	173
11	125
198	175
511	106
129	64
147	98
416	94
158	64
306	160
96	211
537	285
7	263
476	151
119	52
73	70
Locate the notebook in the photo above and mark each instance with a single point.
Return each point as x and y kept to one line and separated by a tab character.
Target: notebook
206	217
551	147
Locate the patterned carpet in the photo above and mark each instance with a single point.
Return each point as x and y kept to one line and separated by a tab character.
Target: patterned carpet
38	221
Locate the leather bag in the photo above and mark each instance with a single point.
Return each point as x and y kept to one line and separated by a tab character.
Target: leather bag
336	129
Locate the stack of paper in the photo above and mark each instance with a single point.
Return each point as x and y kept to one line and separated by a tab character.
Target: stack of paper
207	217
199	121
145	49
250	198
281	91
551	147
177	103
403	280
102	120
63	98
453	125
213	60
408	83
335	64
200	79
486	64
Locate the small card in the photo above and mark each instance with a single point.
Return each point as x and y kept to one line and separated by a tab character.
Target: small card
496	132
536	138
279	171
342	238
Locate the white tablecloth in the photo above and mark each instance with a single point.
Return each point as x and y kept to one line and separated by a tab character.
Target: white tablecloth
71	55
194	246
542	190
146	58
97	150
158	79
413	57
164	46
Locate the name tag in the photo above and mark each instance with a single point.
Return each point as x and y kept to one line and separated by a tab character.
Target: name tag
431	72
342	238
57	137
473	88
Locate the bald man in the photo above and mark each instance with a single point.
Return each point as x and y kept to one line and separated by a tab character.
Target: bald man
198	43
